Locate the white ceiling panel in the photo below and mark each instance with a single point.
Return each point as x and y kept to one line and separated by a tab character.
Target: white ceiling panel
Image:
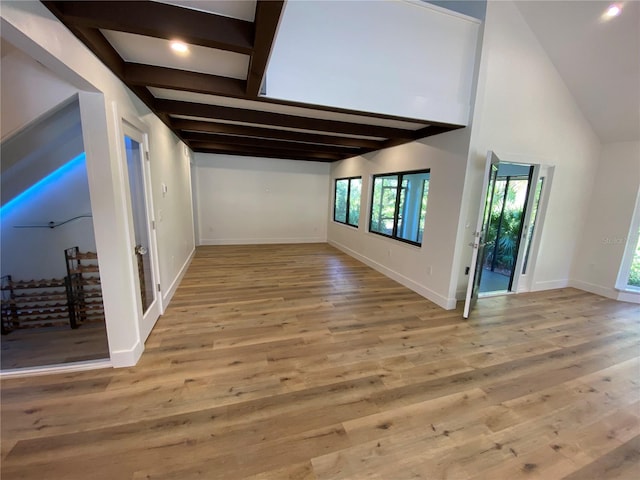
240	9
289	129
157	51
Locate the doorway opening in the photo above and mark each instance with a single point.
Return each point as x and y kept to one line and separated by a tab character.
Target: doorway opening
507	208
51	306
507	235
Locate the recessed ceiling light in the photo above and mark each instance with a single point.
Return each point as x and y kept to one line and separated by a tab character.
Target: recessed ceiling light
179	47
613	11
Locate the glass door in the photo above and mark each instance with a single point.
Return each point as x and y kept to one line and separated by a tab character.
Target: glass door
481	231
508	222
143	232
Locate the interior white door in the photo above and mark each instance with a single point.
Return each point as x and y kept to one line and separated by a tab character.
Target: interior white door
144	246
480	233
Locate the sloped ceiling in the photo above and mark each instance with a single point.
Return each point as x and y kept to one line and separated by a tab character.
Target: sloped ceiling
598	58
211	97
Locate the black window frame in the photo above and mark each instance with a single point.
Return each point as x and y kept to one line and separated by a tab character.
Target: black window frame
396	214
348	201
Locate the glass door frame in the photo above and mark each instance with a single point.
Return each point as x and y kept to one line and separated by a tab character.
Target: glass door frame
137	132
479	234
522	282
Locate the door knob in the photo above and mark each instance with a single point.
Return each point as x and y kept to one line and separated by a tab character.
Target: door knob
140	250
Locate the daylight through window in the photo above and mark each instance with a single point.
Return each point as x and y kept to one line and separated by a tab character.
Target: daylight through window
399	205
346	207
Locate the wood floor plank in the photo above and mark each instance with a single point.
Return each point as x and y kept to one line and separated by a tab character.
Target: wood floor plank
299	362
621	463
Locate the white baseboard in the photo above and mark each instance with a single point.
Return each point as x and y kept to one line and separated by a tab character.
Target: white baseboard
630	297
593	288
57	368
170	292
259	241
441	301
613	293
127	358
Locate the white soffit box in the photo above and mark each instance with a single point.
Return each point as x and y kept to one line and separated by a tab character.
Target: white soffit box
403	58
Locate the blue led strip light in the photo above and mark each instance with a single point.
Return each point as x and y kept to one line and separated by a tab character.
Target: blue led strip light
46	182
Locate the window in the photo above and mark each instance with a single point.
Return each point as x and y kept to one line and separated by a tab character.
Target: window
346	207
399	205
633	279
629	274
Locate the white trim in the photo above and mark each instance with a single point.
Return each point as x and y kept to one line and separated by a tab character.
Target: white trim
56	368
526	225
622	280
127	215
136	130
127	358
594	288
613	293
527	279
259	241
441	301
497	293
628	296
168	295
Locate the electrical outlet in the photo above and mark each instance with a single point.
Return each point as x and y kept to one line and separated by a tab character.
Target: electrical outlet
466	270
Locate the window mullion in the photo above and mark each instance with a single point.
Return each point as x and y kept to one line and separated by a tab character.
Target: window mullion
348	200
394	232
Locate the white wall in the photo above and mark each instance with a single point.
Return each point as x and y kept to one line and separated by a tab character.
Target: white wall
425	269
524	112
174	214
404	58
35	253
33	29
41	148
610	211
28	90
247	200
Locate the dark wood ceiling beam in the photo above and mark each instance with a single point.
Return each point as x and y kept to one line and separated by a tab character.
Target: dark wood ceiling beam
217	112
277	155
162	77
267	143
422	133
245	130
213	147
161	20
266	23
100	46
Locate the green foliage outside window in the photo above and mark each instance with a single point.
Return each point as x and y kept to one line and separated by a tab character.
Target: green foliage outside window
504	224
384	204
399	205
346	207
634	273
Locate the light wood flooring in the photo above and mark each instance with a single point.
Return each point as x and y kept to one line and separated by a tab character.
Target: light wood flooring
43	346
298	362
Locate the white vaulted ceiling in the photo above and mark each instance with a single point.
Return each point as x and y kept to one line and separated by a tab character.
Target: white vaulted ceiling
598	59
